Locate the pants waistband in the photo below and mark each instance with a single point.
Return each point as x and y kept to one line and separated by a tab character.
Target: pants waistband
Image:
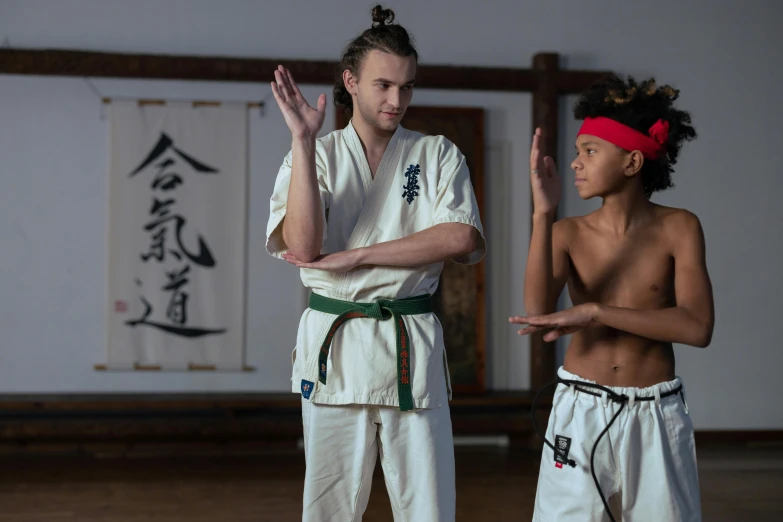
616	393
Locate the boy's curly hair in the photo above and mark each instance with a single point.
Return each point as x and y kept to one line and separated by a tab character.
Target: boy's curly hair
639	106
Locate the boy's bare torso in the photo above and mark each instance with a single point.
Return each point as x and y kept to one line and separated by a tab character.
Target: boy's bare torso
635	270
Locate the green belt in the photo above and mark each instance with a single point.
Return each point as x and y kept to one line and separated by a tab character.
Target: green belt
381	310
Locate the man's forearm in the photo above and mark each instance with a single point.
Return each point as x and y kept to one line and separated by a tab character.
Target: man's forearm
303	224
433	245
674	325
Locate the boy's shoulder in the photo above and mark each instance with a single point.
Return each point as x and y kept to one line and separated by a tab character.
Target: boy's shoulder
678	221
571	225
682	229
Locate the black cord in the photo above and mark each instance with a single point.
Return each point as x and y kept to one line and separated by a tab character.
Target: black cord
592	461
558	451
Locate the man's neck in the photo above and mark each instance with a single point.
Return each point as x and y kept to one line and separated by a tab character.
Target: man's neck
374	141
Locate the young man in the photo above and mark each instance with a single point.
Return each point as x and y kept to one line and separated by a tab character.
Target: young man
637	277
370	213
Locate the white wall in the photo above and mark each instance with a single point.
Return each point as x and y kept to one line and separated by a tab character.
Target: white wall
725	58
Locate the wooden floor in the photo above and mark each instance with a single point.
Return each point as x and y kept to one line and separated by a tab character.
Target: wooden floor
492	485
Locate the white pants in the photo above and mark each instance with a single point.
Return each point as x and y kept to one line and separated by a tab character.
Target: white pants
342	444
647	457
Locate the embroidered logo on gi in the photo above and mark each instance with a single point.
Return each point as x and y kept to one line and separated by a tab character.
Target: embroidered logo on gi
307	388
563	445
322	370
412	187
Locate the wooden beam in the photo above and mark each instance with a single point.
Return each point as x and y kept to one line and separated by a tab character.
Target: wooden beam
83	419
56	62
47	403
545	116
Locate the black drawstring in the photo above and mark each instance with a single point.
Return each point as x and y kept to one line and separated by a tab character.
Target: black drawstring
558	451
616	397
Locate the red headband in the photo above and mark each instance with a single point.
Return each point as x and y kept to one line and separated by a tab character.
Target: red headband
651	146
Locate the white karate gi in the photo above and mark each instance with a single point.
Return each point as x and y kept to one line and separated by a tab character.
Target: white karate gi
340	442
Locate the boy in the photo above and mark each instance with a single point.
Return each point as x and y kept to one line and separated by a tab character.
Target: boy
637	277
